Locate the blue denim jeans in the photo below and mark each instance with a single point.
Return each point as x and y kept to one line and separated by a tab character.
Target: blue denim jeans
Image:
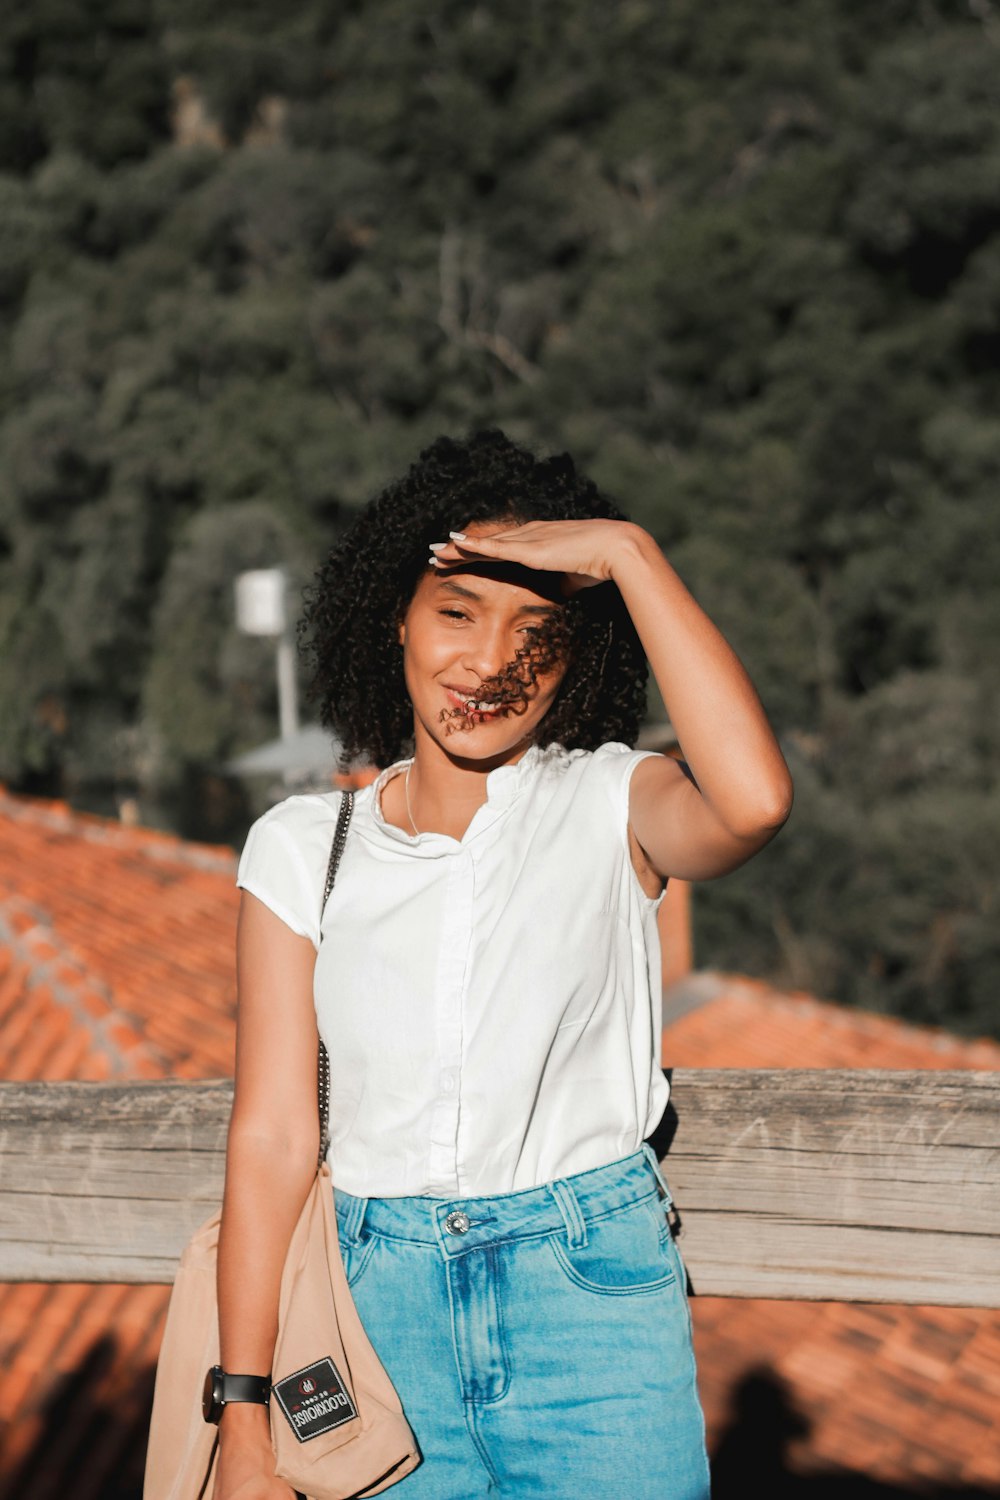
540	1340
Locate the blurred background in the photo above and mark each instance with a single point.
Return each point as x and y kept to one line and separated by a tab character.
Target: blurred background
741	259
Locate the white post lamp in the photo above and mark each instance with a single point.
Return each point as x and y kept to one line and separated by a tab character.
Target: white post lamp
261	610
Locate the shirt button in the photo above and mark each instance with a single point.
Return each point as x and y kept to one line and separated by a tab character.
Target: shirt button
448	1083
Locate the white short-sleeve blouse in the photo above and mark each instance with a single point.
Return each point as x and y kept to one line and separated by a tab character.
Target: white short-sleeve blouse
490	1004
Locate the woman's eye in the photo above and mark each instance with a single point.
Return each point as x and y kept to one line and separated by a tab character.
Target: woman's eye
459	614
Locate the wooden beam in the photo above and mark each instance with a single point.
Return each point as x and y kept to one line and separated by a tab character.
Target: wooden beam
860	1186
848	1186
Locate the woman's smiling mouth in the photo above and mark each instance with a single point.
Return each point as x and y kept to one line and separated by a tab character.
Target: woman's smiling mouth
471	705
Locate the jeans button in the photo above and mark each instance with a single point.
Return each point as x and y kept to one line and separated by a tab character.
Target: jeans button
457	1222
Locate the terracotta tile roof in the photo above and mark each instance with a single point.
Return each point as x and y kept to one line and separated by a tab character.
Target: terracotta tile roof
116	961
730	1021
900	1394
115	948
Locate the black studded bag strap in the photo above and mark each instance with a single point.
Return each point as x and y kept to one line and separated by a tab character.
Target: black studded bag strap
323	1078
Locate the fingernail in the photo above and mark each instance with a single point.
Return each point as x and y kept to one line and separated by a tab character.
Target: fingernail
457	536
434	561
437	546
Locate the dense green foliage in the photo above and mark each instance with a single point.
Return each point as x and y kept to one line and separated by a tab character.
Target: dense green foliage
743	260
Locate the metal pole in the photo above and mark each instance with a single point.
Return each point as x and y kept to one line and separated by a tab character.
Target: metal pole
288	708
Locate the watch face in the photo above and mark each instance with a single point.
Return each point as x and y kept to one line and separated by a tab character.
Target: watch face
211	1396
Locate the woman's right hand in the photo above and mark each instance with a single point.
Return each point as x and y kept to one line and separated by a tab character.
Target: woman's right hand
244	1468
240	1475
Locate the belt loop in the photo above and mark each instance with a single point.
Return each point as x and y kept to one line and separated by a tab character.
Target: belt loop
650	1155
354	1217
569	1207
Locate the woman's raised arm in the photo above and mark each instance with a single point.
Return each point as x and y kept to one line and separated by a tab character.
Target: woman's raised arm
739	792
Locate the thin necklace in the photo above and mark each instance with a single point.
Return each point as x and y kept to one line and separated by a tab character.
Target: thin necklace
406	789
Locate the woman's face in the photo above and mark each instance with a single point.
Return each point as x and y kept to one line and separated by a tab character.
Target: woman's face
466	622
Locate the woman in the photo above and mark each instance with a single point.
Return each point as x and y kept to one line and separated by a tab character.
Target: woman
488	981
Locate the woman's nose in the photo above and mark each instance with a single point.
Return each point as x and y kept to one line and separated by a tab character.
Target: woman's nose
488	651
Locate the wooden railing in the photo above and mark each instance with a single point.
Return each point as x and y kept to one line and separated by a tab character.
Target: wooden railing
847	1186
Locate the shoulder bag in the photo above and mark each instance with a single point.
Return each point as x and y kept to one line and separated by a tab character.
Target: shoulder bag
337	1426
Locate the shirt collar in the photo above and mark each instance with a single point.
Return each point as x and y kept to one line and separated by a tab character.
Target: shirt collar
503	785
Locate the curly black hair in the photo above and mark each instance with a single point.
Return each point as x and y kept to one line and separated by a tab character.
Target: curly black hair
352	610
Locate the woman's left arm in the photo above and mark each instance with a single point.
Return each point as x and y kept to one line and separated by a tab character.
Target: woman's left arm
742	791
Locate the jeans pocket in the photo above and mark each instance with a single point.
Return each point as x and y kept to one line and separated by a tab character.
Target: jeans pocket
625	1254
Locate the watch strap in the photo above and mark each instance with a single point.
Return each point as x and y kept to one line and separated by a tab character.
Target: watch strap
244	1388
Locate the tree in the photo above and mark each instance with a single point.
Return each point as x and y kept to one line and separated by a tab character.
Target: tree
743	263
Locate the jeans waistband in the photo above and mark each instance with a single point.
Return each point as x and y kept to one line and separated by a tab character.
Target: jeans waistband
460	1224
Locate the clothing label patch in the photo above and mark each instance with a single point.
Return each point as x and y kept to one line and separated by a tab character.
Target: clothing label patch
314	1400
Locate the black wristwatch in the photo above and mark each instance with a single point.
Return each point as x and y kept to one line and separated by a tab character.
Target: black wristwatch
221	1388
